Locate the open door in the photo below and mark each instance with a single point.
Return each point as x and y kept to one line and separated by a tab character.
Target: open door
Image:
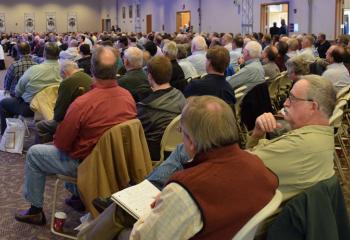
273	12
149	23
183	20
106	25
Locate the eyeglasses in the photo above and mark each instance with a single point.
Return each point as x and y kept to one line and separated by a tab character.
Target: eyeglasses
293	98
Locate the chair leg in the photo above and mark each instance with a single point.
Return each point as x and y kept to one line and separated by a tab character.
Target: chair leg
339	167
53	214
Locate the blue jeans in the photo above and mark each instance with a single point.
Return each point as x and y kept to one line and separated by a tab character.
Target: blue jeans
160	176
43	160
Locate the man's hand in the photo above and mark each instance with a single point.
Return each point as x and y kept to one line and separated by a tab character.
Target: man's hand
263	124
154	203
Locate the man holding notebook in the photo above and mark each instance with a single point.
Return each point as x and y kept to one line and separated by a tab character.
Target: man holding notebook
197	203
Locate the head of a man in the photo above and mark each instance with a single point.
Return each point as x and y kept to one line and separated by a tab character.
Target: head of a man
68	68
133	58
207	122
311	101
84	49
252	50
321	38
51	51
159	71
198	44
103	63
226	39
269	54
170	50
335	54
307	41
293	45
237	42
297	67
218	59
23	48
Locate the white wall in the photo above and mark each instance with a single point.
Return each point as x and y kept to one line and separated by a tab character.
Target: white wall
108	10
88	14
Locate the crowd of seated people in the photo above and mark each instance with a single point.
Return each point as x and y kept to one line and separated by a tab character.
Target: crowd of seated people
149	76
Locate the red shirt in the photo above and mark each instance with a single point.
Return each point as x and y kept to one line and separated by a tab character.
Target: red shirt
90	115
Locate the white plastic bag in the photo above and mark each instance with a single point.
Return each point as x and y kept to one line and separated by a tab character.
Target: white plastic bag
13	138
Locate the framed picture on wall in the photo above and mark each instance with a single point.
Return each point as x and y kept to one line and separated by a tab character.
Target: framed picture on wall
72	22
51	22
29	22
130	11
123	12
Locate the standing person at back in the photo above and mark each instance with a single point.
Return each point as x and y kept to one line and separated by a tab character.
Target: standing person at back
274	30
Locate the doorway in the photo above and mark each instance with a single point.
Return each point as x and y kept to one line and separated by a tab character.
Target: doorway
271	13
149	23
183	20
106	25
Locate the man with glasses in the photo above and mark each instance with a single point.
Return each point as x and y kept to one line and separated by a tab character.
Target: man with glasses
303	156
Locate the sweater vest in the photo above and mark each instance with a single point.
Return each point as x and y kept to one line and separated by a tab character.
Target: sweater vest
229	186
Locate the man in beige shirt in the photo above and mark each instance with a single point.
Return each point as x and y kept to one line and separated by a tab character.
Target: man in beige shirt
303	156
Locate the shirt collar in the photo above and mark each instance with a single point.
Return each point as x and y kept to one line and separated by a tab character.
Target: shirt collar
106	83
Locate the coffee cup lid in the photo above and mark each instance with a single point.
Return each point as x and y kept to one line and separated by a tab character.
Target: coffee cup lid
61	215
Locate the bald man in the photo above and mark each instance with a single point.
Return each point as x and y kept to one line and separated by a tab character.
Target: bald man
336	71
87	118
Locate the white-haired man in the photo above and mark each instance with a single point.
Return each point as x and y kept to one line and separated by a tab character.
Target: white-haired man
75	83
252	73
72	52
199	50
135	79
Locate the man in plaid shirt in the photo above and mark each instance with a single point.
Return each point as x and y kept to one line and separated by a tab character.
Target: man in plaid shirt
16	69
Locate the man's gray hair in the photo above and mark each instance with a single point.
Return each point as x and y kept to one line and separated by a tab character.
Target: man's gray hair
134	56
321	90
68	65
198	44
210	123
170	50
254	49
293	44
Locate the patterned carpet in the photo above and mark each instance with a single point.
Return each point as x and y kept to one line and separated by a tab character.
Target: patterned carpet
11	200
11	184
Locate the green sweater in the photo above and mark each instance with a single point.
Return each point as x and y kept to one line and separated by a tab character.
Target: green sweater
69	91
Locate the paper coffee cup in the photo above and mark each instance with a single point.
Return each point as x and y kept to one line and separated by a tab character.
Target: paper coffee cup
59	220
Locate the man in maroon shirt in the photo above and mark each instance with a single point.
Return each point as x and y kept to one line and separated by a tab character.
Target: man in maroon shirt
88	117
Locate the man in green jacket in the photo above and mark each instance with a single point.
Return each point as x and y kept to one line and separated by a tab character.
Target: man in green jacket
75	83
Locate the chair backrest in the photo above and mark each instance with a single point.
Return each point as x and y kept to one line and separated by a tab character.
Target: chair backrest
240	90
248	231
342	92
171	138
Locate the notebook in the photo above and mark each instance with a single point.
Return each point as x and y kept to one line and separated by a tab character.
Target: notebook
136	200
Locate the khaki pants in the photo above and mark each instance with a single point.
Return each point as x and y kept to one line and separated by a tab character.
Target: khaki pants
108	225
